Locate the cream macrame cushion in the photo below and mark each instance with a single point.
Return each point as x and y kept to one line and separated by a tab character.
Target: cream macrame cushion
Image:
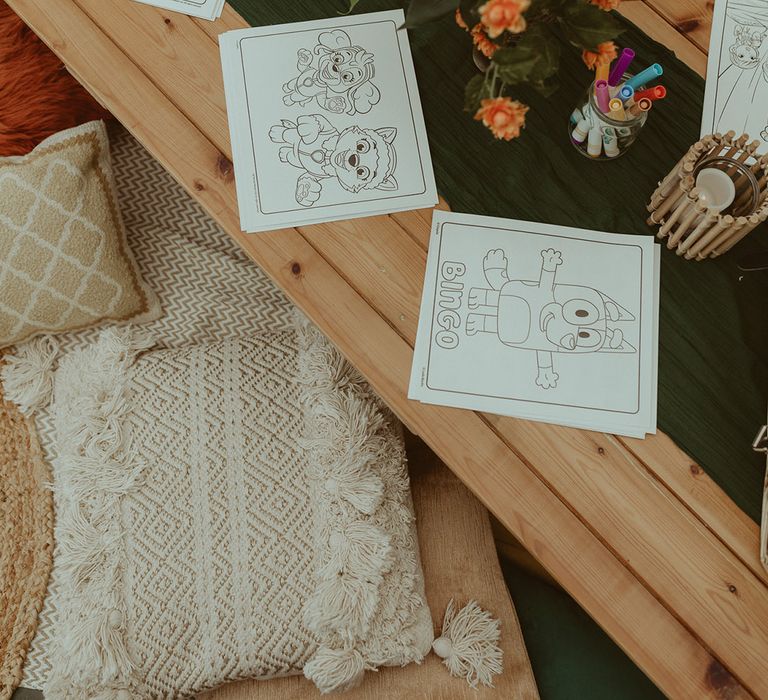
230	510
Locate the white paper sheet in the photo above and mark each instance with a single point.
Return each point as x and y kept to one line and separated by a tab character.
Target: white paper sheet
540	322
325	121
736	94
205	9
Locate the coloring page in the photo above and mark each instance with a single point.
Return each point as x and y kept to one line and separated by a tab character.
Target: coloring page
325	121
205	9
736	96
540	322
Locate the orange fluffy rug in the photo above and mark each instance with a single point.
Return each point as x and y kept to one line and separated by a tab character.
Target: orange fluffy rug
38	97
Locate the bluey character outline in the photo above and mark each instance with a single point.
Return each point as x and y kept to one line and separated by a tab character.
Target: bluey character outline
545	316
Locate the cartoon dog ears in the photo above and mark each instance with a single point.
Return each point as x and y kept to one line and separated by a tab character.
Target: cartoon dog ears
615	311
615	342
338	39
750	35
330	41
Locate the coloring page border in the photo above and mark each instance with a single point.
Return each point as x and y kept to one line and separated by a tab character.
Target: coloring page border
441	227
399	35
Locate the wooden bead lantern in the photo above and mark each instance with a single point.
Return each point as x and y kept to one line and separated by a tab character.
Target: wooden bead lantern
694	229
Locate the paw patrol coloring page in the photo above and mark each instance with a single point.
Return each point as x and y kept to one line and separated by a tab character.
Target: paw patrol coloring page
205	9
325	121
736	96
540	322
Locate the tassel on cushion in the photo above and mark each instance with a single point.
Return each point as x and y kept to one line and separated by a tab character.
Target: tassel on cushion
336	670
343	605
364	491
347	592
362	549
28	374
469	645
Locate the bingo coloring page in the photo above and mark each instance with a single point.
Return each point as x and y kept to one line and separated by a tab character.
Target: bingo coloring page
540	322
736	96
325	121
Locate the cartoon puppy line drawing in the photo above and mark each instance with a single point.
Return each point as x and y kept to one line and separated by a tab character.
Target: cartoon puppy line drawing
745	50
357	158
336	74
545	316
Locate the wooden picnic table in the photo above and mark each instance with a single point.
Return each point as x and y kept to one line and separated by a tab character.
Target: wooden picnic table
634	530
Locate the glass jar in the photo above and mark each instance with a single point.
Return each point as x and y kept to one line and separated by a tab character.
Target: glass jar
598	136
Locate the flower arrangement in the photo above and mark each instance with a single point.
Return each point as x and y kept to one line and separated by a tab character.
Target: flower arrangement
521	42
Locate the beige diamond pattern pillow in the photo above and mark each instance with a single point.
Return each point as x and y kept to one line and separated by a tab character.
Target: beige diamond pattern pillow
64	260
232	510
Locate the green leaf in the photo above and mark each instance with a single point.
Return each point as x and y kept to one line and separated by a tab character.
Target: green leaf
587	25
535	57
476	90
547	87
547	47
515	71
351	7
538	6
423	11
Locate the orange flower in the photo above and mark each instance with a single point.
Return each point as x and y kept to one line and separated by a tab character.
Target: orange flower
460	20
606	4
605	53
484	45
503	116
501	15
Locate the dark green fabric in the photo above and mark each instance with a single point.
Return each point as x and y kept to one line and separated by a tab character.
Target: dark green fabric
572	658
713	373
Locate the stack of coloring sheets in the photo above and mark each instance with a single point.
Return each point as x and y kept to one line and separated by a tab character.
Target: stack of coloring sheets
205	9
540	322
325	121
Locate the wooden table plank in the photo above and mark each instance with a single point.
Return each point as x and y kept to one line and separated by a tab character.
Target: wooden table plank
192	80
673	656
647	19
690	484
689	18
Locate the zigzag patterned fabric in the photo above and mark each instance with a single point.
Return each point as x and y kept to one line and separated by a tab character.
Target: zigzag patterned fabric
210	291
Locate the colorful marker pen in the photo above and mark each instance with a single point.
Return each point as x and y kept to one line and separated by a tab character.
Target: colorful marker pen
622	63
643	77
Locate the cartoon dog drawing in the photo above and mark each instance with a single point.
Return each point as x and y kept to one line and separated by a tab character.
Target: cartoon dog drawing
742	87
336	75
744	51
359	159
545	316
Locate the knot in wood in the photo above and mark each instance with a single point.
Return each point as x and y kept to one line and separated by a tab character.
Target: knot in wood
224	167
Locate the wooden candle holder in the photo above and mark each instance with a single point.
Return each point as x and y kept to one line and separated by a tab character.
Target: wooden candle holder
695	231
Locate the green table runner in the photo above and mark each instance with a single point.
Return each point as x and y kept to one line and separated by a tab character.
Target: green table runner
713	368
